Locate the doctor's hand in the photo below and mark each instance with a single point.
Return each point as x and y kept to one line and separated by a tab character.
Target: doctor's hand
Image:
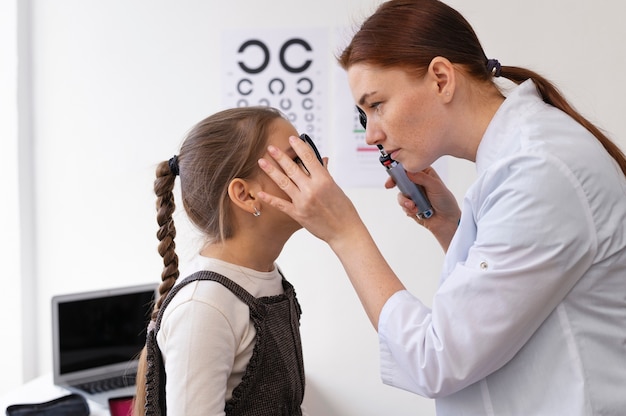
316	201
320	206
443	224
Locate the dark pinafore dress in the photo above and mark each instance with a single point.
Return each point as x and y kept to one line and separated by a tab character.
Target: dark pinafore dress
273	383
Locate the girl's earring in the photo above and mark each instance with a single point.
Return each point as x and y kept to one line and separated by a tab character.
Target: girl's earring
256	212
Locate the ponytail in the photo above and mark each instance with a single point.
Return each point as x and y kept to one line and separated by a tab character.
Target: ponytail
552	96
163	188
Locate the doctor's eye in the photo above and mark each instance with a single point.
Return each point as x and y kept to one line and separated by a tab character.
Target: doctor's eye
375	106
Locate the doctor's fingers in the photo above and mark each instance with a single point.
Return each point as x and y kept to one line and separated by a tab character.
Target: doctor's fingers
390	183
295	171
289	177
409	207
282	181
282	170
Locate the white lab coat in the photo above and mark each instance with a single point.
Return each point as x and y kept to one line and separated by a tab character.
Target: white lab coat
530	315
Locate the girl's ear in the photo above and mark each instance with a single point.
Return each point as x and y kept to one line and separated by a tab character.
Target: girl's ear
240	194
442	72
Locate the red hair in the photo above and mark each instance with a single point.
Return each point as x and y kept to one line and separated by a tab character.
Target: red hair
408	34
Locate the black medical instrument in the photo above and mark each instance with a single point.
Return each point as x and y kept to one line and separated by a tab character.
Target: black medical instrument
404	184
305	138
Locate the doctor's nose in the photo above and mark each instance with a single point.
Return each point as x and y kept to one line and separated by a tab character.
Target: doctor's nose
373	134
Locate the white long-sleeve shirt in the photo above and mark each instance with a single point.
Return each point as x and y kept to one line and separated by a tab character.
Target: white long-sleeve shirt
530	315
206	337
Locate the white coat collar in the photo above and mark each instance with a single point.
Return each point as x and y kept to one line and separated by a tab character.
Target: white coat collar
522	101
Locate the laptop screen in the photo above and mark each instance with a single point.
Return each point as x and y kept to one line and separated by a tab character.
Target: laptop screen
100	329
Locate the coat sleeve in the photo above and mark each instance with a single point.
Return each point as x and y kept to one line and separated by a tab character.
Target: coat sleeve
534	240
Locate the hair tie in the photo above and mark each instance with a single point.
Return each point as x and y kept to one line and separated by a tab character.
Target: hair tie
173	162
494	67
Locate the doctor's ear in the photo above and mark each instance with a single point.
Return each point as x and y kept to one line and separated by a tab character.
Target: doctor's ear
442	72
240	193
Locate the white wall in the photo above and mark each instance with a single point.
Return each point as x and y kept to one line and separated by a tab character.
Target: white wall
117	83
9	209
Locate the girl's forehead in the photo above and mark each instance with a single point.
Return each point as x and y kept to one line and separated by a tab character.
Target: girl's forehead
281	130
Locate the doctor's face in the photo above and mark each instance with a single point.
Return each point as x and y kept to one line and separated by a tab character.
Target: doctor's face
404	113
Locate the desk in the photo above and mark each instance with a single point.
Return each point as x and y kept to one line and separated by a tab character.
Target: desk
42	389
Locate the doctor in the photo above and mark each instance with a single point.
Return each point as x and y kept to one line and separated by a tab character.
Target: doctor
530	315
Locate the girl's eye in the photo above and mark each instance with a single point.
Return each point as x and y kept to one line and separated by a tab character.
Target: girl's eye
298	161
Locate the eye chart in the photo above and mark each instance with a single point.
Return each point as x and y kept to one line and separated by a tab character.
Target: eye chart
294	70
286	69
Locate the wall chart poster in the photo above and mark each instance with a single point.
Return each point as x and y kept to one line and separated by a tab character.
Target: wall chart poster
282	68
294	70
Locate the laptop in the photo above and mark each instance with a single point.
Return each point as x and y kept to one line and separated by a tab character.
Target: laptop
96	340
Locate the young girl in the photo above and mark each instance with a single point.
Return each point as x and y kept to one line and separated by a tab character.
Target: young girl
225	340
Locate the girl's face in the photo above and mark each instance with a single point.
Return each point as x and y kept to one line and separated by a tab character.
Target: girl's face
279	134
404	113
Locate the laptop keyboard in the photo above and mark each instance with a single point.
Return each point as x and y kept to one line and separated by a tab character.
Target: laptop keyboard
101	386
